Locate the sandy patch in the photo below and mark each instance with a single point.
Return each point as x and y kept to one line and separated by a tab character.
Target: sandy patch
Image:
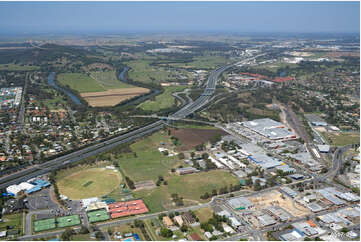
112	97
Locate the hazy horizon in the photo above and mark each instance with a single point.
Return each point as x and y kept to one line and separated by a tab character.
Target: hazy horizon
177	17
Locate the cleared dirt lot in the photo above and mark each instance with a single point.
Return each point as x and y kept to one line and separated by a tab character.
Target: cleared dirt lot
112	97
190	137
275	198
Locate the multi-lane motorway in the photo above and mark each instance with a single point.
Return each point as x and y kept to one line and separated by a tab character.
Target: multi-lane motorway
75	156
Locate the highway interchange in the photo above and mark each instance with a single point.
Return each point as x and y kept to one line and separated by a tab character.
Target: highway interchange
185	111
76	156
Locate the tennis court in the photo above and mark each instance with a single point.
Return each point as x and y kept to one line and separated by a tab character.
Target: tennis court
97	216
44	224
67	221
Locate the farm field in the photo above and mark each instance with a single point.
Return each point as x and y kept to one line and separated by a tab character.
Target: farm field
341	139
100	89
202	62
141	71
190	187
162	101
191	137
108	80
148	163
112	97
80	82
93	182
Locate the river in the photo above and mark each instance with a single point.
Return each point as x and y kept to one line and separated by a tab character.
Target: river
122	78
51	81
141	98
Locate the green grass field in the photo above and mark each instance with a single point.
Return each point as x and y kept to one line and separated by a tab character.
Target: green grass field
15	220
109	80
204	214
141	71
94	182
80	82
342	139
190	187
81	237
149	163
162	101
203	62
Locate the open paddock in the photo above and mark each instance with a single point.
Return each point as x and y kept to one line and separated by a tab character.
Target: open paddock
191	137
112	97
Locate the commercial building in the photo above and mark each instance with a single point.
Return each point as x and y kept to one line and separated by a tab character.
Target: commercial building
270	129
294	235
279	213
305	228
235	223
288	191
16	189
97	206
323	148
264	161
315	207
266	220
87	201
240	203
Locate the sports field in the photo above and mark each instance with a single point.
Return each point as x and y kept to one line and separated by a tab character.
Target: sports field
44	224
162	101
97	216
68	221
93	182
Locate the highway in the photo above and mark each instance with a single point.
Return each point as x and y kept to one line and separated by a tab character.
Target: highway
75	156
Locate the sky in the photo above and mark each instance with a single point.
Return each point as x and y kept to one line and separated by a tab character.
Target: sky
121	17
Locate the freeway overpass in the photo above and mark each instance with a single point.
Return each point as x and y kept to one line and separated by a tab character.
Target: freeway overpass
75	156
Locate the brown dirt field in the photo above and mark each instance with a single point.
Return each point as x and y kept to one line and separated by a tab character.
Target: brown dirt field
274	198
112	97
193	137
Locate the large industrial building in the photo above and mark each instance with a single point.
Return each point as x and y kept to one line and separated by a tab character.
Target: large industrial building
270	129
